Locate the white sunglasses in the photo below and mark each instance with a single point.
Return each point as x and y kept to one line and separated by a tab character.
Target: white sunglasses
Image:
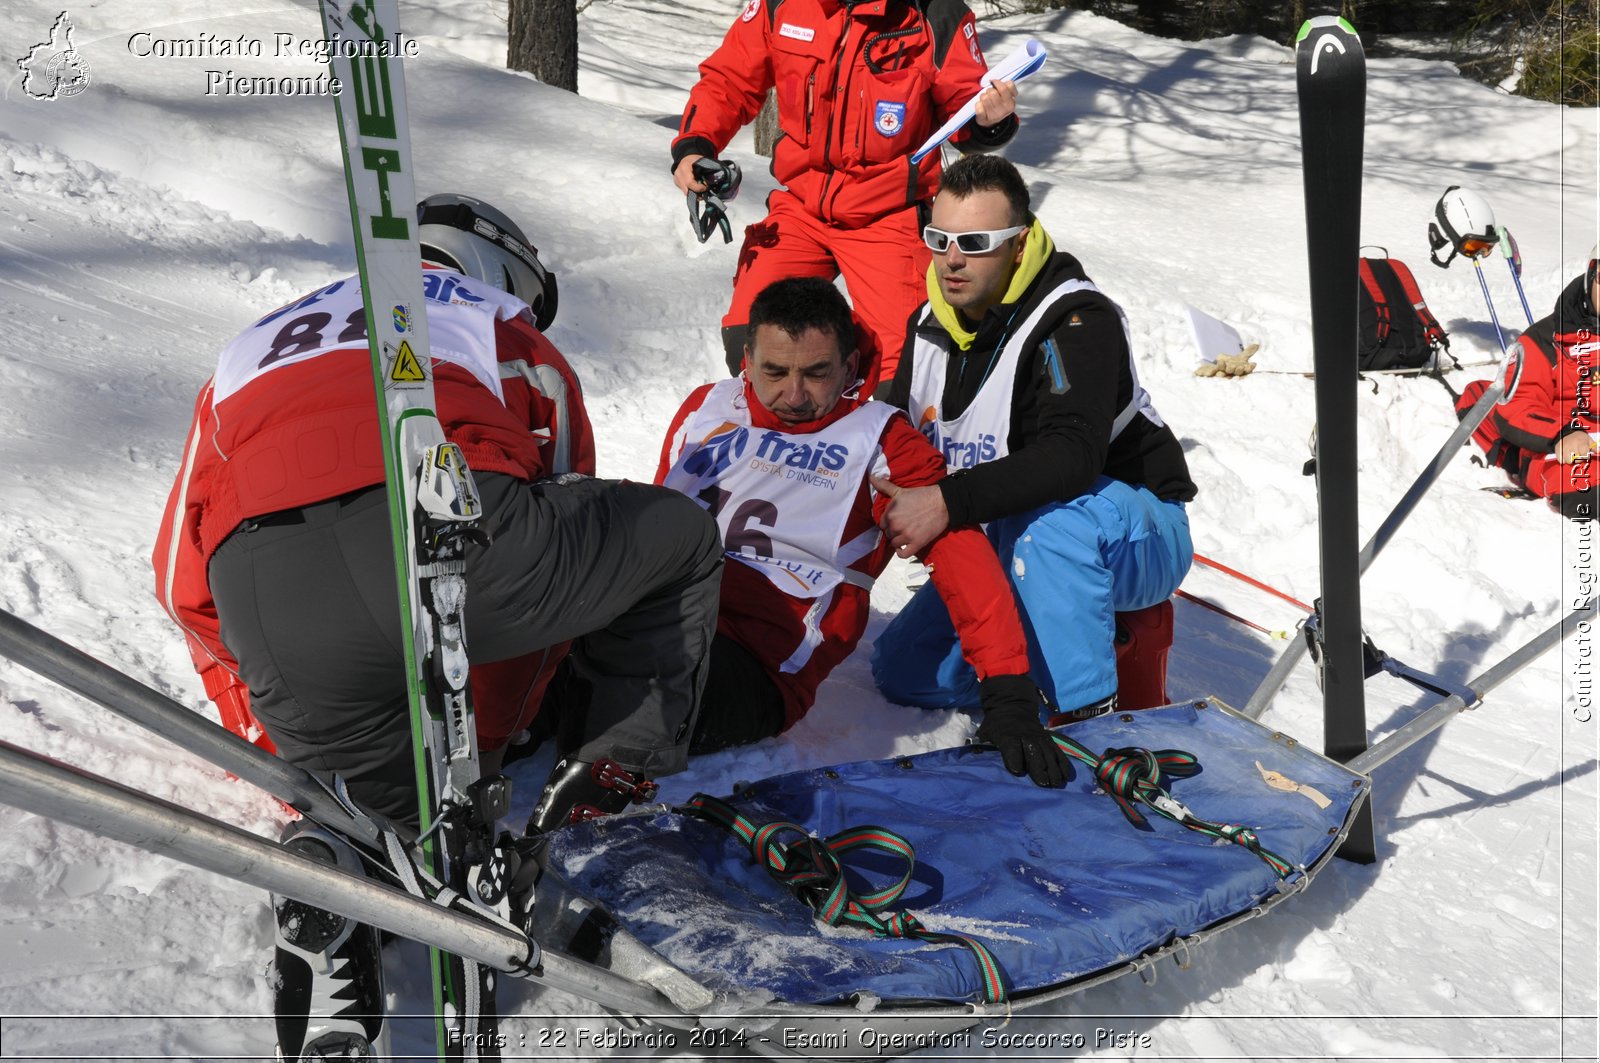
978	242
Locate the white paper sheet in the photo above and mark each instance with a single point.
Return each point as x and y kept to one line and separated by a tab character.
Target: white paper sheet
1022	63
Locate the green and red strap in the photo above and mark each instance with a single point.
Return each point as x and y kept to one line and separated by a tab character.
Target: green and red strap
1134	777
810	868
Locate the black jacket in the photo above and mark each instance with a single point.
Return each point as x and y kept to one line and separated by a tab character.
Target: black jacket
1060	433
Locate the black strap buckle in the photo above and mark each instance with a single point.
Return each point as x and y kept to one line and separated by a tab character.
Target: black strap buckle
1437	241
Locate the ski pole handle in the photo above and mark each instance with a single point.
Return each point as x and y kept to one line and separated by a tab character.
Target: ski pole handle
1513	257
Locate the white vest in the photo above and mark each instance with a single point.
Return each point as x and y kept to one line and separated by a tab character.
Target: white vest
782	500
461	316
980	433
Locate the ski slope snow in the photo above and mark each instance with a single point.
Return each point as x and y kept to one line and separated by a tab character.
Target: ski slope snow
144	221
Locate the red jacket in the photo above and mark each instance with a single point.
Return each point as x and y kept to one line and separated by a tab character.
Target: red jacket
965	571
308	431
1553	382
859	88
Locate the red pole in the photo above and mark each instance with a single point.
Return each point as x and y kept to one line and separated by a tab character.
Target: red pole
1206	561
1215	608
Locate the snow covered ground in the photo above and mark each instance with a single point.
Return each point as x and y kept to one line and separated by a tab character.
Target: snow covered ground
143	222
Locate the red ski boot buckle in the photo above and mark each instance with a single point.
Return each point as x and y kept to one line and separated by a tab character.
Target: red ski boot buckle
613	776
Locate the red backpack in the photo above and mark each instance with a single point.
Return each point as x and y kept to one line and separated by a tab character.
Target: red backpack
1398	331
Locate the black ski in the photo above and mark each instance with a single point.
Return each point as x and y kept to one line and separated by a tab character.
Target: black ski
1332	82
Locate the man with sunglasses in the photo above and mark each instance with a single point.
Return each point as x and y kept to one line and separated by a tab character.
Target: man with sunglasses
1021	373
1543	432
860	85
795	466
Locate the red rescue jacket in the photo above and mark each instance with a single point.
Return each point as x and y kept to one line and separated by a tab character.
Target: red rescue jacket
308	431
859	88
1552	384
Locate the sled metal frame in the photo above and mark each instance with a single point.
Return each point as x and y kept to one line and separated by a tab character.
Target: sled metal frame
49	788
64	664
1296	650
1443	711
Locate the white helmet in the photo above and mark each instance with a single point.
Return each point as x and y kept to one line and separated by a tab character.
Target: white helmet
470	236
1464	222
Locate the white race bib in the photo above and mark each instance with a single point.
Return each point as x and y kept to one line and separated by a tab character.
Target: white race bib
461	316
781	499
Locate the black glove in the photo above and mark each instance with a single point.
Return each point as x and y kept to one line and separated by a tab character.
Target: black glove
1011	724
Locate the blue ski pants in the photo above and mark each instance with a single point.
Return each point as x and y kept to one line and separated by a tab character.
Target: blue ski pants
1073	566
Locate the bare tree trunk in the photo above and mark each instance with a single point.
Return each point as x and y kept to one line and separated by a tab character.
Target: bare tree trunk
542	39
766	125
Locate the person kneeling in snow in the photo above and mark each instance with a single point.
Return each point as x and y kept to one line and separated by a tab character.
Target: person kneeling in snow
276	559
1022	374
794	464
1542	432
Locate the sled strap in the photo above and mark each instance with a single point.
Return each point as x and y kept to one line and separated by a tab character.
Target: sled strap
1134	776
1433	684
810	868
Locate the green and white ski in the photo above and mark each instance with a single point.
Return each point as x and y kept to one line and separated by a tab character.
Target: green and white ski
432	502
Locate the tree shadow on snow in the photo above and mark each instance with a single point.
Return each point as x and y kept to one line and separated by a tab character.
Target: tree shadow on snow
1157	107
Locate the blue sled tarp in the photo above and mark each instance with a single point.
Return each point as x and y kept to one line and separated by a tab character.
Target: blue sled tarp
1059	885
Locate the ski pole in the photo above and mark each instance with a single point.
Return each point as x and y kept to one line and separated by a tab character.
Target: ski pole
1206	561
1513	257
1477	267
1220	611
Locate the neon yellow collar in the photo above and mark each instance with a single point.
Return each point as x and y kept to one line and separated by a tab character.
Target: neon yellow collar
1036	251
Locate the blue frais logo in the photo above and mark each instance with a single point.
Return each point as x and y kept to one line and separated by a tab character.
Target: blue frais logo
445	288
890	118
720	450
778	449
962	453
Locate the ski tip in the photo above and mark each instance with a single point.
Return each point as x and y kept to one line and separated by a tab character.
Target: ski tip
1320	22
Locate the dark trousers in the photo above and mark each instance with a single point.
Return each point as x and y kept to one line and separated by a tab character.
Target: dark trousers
741	705
308	606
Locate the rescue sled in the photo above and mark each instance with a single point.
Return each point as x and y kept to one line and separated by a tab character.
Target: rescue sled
967	895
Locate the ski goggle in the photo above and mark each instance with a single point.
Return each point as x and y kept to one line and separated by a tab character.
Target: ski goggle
977	242
708	210
460	215
707	214
1478	246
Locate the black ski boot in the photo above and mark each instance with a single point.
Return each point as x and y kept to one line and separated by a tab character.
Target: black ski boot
579	790
327	974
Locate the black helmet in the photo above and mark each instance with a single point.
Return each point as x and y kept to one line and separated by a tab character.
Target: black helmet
470	236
